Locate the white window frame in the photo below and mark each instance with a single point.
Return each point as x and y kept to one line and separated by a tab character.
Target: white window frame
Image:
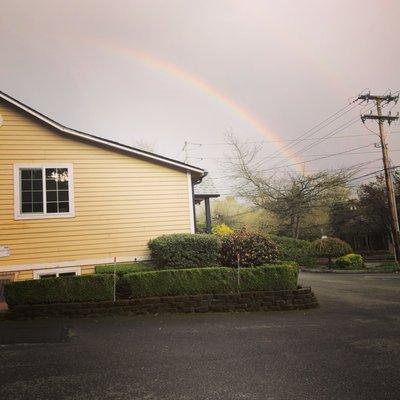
57	271
17	192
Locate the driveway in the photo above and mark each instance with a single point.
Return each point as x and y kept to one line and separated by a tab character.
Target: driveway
348	348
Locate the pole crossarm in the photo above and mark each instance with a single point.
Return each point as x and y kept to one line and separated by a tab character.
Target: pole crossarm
388	118
385	98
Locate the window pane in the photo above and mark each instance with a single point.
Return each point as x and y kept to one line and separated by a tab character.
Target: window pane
51	195
63	206
26	197
51	184
63	195
57	190
52	208
37	173
37	184
46	276
37	196
26	174
61	274
26	185
37	207
50	173
26	207
31	190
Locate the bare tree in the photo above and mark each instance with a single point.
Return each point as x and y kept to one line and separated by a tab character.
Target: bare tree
291	196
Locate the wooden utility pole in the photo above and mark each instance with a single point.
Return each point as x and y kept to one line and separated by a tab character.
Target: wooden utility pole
391	198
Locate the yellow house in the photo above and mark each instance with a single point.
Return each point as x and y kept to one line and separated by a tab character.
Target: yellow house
70	200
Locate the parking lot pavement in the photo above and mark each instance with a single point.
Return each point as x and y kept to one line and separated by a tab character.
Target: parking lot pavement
348	348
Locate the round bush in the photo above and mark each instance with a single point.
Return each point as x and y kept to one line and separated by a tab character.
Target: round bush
350	261
329	247
254	249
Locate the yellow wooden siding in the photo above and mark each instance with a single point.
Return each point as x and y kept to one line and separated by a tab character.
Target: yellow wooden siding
87	270
120	201
24	275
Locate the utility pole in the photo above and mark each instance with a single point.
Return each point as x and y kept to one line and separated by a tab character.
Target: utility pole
391	198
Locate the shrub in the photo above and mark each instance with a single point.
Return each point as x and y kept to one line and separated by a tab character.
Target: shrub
350	261
329	247
221	230
290	249
207	280
253	248
72	289
123	268
184	250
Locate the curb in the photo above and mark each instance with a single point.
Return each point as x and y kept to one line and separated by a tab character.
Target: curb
341	271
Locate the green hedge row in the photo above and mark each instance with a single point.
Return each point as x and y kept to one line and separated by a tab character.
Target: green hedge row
73	289
151	283
207	280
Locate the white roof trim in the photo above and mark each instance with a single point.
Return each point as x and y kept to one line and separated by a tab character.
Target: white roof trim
99	140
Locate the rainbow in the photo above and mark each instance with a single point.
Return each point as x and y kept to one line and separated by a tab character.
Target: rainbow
212	91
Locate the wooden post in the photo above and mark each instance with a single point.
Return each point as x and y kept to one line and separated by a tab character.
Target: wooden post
208	215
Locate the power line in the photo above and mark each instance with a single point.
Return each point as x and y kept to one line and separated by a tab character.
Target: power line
279	140
308	155
318	127
373	173
327	136
316	159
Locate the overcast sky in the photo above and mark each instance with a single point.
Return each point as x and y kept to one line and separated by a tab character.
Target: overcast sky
166	72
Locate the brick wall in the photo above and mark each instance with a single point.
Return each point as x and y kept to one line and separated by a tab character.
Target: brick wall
301	298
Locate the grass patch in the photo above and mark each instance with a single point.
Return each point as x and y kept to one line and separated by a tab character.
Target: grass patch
386	266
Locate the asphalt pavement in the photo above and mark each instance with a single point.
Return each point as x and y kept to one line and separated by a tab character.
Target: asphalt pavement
348	348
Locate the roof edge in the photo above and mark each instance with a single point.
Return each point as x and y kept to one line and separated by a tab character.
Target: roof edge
108	143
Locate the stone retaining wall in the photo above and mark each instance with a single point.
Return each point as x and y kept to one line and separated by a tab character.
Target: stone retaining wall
247	301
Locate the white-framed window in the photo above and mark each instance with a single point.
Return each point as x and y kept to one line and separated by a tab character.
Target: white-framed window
43	191
56	272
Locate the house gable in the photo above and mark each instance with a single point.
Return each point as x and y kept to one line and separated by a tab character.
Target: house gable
96	140
121	201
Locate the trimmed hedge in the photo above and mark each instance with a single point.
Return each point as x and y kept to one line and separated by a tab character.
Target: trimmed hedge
72	289
253	248
349	261
184	250
290	249
207	280
123	268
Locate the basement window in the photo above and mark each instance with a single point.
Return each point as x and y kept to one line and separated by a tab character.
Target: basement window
43	191
56	273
